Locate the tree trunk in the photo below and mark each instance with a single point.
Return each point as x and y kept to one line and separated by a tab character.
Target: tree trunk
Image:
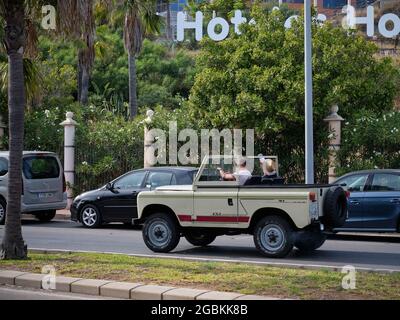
13	245
84	86
79	78
133	105
169	31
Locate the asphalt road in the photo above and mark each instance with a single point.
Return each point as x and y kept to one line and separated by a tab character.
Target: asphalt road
381	253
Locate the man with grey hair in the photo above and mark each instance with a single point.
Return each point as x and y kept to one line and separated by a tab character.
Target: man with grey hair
242	174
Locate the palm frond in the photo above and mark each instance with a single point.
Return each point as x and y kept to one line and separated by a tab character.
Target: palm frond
32	78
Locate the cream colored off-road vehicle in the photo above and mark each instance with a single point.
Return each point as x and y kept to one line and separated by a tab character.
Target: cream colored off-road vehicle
278	215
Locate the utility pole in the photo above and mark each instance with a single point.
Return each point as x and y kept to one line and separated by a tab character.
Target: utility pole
309	134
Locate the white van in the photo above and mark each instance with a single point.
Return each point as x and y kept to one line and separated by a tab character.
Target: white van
44	187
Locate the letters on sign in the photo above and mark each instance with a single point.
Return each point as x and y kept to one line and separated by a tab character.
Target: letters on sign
218	28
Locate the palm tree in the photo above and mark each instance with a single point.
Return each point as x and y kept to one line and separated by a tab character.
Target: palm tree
77	23
140	18
15	39
20	40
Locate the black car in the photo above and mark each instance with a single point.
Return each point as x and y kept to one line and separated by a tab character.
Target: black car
116	201
374	202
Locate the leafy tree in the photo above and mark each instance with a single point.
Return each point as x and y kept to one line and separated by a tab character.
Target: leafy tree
370	142
256	80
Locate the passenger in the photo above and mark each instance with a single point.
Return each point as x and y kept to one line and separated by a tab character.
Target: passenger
242	174
268	167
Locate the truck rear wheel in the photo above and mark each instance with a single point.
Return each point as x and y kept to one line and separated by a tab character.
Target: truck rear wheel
273	237
198	238
161	233
307	241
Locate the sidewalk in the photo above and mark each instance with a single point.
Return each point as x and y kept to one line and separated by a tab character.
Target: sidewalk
63	215
113	289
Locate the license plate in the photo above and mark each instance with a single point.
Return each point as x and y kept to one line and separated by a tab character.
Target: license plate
45	195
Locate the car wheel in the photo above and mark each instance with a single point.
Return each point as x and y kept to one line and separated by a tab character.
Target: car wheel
3	207
273	237
307	241
90	216
45	216
161	233
200	239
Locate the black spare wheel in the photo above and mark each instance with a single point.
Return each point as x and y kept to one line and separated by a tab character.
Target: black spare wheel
335	207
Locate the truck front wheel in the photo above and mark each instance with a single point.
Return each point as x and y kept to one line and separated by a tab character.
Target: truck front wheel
273	237
200	239
161	233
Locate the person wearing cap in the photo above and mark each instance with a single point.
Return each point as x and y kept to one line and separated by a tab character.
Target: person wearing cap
242	174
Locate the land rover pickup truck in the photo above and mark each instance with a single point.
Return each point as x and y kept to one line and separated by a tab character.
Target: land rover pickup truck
279	216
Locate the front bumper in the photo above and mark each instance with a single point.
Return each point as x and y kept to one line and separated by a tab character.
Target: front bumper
74	211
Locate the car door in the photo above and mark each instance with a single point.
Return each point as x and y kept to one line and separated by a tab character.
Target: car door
215	201
382	202
356	184
120	203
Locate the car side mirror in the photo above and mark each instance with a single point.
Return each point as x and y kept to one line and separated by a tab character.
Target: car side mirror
109	186
149	186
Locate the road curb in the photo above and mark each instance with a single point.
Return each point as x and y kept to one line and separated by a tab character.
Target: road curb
197	259
116	289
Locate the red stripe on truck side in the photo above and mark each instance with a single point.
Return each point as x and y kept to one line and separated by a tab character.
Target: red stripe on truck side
233	219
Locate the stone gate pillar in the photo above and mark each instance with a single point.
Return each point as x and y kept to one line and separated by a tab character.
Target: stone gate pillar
335	127
69	154
148	141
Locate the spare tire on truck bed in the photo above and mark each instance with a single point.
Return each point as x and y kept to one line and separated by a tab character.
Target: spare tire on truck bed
335	207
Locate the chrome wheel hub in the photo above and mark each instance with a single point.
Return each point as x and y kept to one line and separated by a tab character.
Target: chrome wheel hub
89	217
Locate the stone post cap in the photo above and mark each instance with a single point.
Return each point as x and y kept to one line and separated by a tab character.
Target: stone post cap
150	114
69	121
333	116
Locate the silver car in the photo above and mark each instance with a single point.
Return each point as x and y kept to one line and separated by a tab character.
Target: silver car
44	187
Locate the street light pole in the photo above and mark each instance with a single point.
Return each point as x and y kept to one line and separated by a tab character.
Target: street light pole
309	135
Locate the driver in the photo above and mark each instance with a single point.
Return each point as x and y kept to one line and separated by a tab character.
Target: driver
242	174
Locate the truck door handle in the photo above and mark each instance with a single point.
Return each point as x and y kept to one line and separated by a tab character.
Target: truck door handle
395	201
355	202
230	202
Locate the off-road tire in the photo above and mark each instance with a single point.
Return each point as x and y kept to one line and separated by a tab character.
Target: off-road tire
161	233
273	237
335	208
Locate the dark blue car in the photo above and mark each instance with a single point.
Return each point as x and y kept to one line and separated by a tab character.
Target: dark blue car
374	202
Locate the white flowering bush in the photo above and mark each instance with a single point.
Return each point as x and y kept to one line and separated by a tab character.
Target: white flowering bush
370	142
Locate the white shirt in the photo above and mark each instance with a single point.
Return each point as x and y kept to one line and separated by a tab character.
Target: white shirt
242	175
